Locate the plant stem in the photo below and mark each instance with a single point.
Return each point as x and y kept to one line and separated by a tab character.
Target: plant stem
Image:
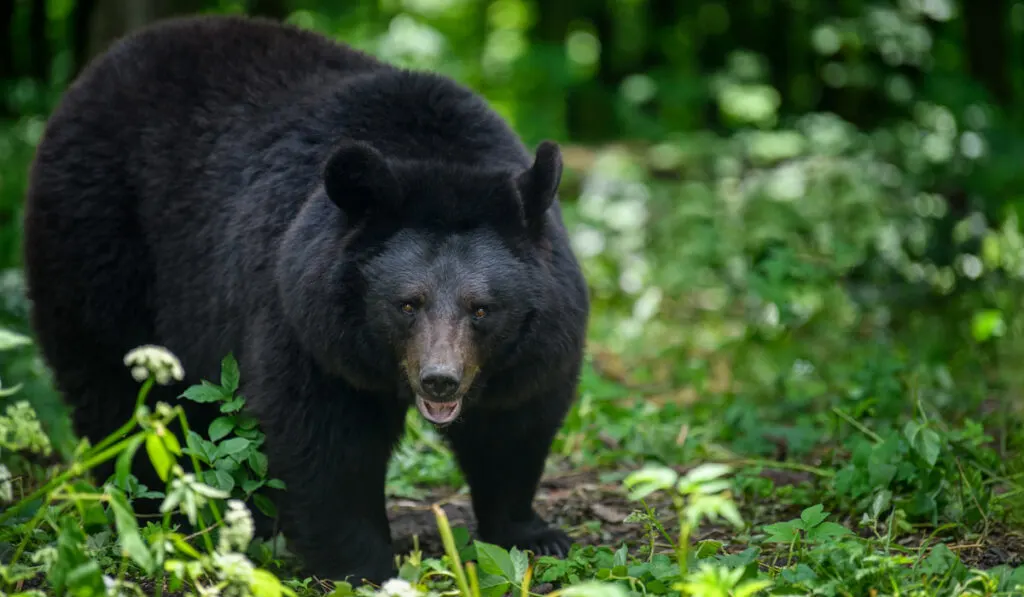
75	470
449	547
857	425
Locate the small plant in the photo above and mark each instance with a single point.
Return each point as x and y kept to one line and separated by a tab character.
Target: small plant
238	466
56	531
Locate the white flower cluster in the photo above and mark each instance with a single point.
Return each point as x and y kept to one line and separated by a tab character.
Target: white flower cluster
238	528
397	587
154	360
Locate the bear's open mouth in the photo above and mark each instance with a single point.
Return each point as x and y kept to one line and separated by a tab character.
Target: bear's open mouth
438	413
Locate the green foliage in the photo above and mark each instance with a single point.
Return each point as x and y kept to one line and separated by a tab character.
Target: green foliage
237	465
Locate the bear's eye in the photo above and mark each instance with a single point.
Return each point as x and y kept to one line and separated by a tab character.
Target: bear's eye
408	308
479	313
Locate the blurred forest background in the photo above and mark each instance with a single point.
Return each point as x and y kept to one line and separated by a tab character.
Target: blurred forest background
800	220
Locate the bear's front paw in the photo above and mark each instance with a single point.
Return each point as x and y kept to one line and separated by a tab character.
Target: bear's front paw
535	536
548	542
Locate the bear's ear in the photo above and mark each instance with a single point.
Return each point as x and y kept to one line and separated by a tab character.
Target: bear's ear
358	180
538	185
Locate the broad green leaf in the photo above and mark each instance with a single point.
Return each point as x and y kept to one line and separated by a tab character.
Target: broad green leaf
492	585
494	560
232	446
813	516
648	480
258	463
782	532
265	505
708	548
220	427
204	392
229	375
232	406
928	445
520	562
219	479
159	456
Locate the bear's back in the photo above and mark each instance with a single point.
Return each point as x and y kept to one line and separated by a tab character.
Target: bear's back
185	63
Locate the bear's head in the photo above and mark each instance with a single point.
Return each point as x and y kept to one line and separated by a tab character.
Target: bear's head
423	277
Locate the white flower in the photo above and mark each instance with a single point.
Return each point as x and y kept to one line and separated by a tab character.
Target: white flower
234	567
397	587
6	488
154	360
238	528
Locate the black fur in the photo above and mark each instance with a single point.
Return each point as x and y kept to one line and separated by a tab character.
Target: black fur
224	184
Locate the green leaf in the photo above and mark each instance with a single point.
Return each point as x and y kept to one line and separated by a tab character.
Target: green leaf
265	505
520	562
813	516
10	340
494	560
881	503
232	406
648	480
202	449
621	556
928	445
708	548
248	422
220	427
258	463
229	375
707	472
276	484
128	535
783	532
827	530
123	465
265	584
232	446
159	455
204	392
219	479
493	585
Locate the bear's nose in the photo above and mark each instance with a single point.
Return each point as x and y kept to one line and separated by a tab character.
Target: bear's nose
438	384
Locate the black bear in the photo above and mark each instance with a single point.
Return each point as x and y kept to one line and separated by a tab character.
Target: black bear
363	238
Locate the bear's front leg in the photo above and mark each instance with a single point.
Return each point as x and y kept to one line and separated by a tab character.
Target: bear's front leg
331	449
502	454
